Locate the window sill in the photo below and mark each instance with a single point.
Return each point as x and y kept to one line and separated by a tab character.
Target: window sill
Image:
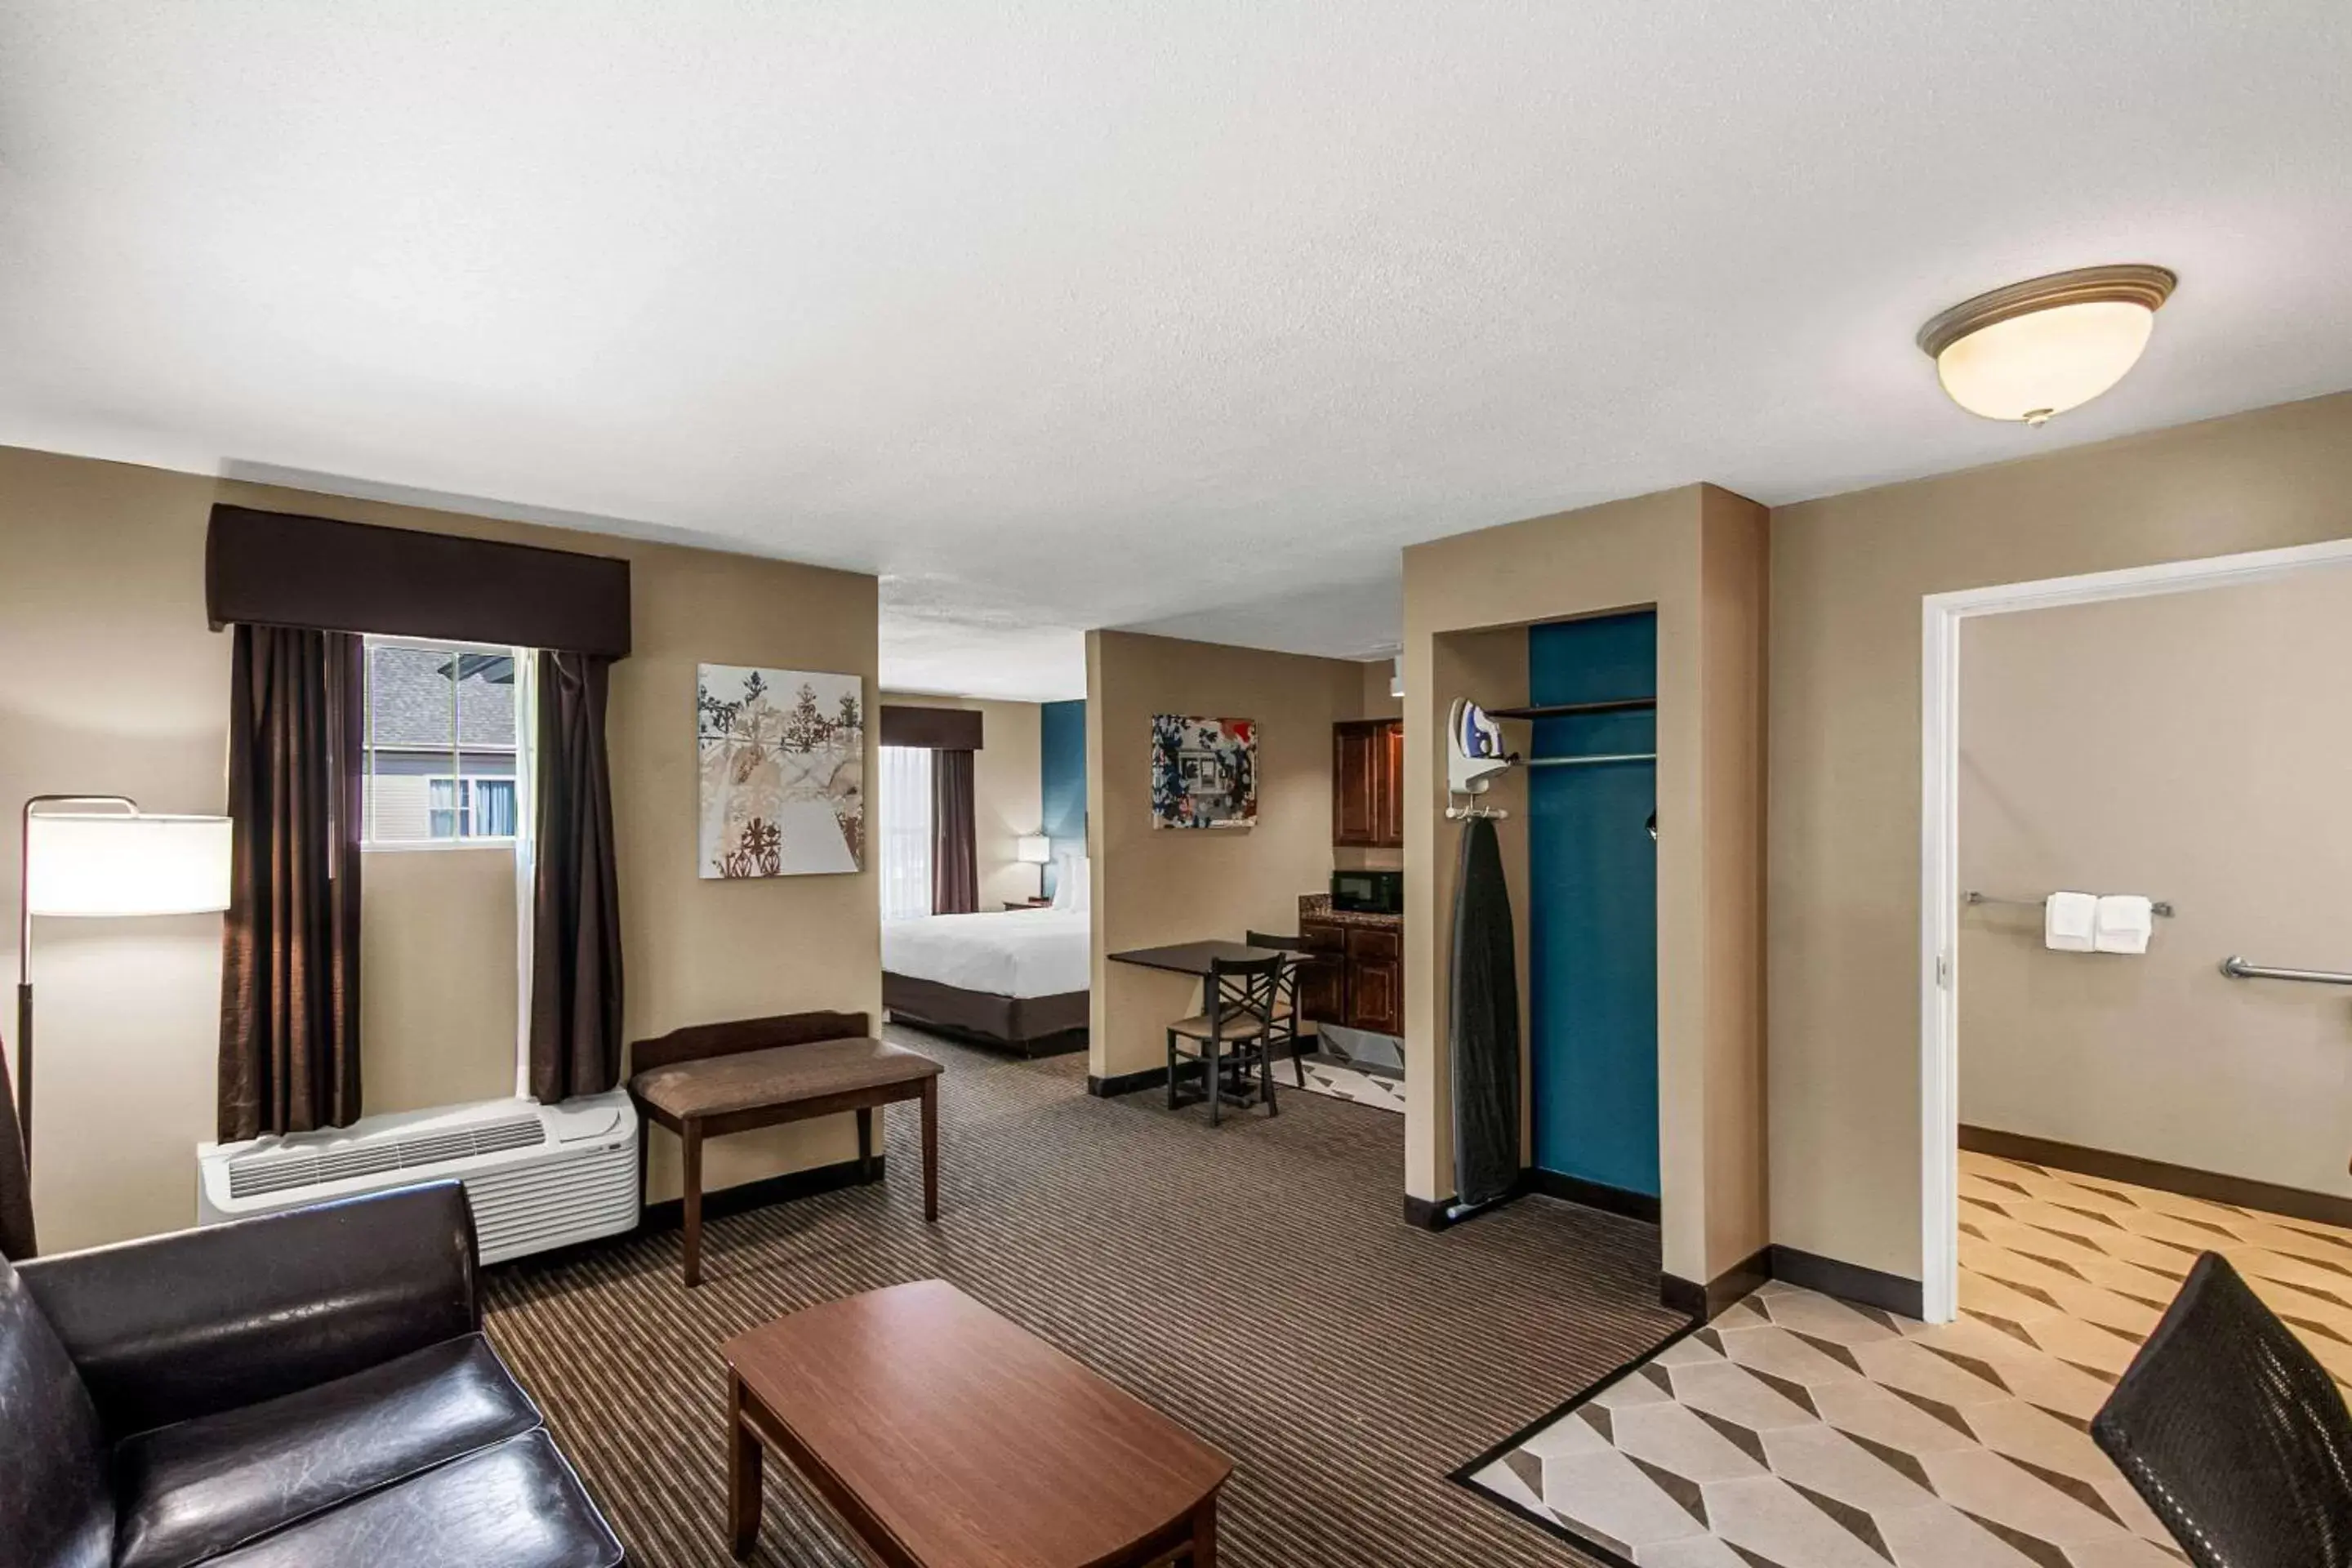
435	846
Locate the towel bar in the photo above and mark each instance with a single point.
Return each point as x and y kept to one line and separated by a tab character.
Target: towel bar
2158	907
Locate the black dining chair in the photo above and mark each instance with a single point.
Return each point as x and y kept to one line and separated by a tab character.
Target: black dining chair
1288	1025
1233	1029
2232	1432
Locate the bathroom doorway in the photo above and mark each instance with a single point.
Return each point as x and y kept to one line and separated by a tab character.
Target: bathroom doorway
2080	800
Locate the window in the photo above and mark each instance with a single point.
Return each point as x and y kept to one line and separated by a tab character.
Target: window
470	807
441	743
906	807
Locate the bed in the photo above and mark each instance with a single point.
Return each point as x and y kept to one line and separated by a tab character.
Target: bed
1017	978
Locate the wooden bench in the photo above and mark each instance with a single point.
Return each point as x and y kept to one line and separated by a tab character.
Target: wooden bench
712	1080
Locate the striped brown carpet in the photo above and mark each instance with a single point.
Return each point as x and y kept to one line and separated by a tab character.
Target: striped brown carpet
1256	1283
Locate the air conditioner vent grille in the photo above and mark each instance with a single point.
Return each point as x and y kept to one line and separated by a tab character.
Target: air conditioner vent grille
282	1170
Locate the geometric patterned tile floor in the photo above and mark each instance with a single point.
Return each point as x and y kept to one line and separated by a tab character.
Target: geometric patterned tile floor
1335	1080
1798	1431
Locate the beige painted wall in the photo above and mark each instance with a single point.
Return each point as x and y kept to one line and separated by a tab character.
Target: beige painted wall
2194	747
1007	789
111	681
1697	555
1152	884
1847	576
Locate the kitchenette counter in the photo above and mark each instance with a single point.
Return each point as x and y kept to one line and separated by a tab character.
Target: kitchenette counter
1318	906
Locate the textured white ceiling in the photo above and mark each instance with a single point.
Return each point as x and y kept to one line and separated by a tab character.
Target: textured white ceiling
1073	313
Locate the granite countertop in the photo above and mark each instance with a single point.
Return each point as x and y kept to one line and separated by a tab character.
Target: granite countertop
1318	906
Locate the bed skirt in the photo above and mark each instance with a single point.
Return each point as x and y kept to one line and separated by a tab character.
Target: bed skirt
1038	1025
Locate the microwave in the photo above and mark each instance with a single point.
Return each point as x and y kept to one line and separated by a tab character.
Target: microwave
1369	893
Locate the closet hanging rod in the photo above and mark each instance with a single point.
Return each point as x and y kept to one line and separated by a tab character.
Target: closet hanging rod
1569	710
2155	907
1587	761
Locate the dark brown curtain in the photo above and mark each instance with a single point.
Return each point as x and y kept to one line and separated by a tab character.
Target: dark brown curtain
575	966
290	1036
16	1182
955	857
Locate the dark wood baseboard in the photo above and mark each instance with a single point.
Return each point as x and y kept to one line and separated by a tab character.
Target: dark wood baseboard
669	1213
1121	1083
2238	1192
1426	1213
1437	1214
1642	1207
1850	1282
1704	1303
1830	1276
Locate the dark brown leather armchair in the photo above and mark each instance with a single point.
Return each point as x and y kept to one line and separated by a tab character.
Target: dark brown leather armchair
310	1388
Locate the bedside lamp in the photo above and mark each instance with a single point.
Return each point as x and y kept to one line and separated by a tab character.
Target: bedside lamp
94	863
1035	849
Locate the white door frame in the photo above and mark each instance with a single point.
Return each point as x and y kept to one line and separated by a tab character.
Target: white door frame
1939	915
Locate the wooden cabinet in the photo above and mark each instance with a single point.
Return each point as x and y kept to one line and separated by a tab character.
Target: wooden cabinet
1391	790
1355	975
1367	784
1323	977
1376	980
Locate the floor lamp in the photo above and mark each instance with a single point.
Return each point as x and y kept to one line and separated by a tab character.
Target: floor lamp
99	857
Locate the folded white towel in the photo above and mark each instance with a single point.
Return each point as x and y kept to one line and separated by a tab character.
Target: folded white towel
2123	923
2068	922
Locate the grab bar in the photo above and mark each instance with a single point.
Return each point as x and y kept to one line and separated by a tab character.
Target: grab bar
2237	968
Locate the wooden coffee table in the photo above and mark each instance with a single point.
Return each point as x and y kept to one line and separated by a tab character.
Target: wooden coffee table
945	1437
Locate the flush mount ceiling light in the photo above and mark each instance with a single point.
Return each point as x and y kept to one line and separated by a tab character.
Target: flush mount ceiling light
2041	347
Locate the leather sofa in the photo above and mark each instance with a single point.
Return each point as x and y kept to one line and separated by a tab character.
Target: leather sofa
308	1388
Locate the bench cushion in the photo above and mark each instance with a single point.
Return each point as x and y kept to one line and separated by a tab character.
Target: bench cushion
778	1075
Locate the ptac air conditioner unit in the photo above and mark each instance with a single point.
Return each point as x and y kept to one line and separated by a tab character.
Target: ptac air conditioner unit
536	1176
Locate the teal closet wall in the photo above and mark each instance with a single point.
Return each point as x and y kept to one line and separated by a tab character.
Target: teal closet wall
1593	916
1062	777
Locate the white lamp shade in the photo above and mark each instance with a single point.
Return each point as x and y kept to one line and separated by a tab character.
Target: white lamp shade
2032	366
1034	850
97	866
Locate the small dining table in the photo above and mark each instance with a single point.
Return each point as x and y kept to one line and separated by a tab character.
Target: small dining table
1195	958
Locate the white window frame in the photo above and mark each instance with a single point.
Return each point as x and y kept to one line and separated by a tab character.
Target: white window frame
369	842
465	789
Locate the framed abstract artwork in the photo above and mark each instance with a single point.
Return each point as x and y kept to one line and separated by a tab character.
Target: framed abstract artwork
1203	771
782	769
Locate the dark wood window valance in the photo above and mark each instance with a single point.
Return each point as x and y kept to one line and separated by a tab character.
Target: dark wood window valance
277	569
931	728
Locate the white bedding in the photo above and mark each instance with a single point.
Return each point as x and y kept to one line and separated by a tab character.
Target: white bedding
1016	952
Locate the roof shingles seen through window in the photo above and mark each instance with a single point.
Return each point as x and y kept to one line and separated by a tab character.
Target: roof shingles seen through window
408	698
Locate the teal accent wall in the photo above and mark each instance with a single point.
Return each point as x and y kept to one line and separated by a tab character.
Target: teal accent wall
1592	932
1062	778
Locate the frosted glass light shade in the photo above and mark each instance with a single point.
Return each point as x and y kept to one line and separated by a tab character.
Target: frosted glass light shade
2039	348
99	866
2031	367
1034	850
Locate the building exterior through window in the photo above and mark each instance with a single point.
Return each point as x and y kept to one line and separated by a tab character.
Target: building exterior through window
442	742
